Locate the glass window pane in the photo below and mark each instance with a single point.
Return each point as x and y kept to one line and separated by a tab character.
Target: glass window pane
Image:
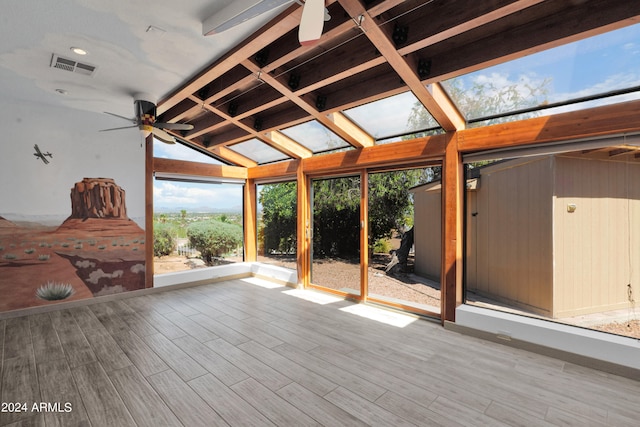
396	115
258	151
196	225
597	65
315	137
557	237
335	256
179	151
277	222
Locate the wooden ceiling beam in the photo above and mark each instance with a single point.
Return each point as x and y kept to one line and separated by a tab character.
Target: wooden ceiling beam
313	112
287	145
290	148
448	116
197	168
351	128
540	29
457	17
232	157
285	22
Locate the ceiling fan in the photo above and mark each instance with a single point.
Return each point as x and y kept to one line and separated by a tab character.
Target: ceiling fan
145	120
314	14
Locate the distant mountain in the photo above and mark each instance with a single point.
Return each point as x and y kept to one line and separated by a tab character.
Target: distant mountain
201	209
6	223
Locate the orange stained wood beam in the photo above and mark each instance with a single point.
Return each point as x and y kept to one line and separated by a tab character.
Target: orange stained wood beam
196	168
250	216
441	108
452	194
148	211
592	122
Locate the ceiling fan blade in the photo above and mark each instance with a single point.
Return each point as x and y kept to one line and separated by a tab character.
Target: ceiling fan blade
312	22
173	126
163	136
126	127
122	117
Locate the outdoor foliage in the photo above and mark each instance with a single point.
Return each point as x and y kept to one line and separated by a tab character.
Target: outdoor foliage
279	210
214	238
336	211
163	239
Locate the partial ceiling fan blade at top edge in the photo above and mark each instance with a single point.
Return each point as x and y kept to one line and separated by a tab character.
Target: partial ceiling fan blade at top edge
173	126
163	136
126	127
122	117
312	22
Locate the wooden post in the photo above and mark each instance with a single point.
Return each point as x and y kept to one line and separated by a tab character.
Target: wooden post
304	228
148	211
364	235
452	191
250	217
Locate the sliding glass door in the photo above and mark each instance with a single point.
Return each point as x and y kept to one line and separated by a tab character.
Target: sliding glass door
335	215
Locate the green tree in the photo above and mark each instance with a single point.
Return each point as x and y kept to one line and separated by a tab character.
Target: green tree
214	238
279	213
163	239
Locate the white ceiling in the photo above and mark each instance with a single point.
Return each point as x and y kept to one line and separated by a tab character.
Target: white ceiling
129	58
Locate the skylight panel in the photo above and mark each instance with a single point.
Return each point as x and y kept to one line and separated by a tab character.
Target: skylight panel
391	117
315	137
576	74
258	151
181	152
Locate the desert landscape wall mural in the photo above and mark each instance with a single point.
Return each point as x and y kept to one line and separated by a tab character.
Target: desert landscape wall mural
96	251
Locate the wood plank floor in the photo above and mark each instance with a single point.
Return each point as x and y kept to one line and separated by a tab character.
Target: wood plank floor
246	353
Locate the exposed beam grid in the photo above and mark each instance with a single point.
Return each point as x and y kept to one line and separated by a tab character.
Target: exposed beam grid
288	147
469	24
319	116
382	41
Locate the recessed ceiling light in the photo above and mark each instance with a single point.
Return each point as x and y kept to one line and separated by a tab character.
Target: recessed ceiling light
78	51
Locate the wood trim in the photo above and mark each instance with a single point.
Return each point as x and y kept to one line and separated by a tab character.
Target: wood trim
232	156
598	121
283	23
148	211
364	235
197	168
303	224
274	171
383	43
250	221
287	145
351	128
419	149
451	279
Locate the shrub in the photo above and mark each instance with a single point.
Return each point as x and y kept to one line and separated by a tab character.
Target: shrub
214	238
43	257
382	246
29	251
163	240
10	256
52	291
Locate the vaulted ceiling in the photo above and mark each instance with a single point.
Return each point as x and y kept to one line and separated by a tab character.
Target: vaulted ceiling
369	50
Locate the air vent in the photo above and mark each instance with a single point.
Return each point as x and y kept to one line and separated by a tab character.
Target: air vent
71	65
